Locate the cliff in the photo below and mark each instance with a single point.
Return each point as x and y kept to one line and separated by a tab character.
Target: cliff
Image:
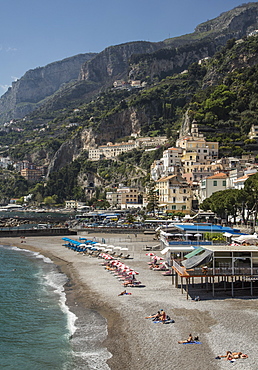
112	63
29	92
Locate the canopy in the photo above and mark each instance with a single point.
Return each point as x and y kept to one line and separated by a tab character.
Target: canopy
246	238
194	252
196	261
177	249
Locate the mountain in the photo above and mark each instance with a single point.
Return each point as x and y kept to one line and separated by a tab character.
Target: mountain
31	90
47	86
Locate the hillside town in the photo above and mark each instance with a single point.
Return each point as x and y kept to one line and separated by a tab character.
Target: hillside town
183	177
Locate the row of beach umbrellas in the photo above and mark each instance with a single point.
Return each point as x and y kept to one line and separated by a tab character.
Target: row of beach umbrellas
93	245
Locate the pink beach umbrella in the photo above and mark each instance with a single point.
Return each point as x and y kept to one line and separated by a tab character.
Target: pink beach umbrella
158	258
133	273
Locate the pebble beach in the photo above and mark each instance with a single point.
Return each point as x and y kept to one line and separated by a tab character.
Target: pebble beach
222	323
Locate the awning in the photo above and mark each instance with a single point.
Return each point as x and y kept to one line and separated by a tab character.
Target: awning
246	238
177	249
196	261
194	252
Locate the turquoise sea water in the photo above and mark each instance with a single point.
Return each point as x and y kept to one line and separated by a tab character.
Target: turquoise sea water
37	329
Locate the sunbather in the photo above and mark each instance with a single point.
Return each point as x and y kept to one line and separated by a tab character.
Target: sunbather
233	355
189	340
155	316
124	293
163	317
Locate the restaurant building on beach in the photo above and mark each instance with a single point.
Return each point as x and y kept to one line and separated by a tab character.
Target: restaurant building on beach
219	268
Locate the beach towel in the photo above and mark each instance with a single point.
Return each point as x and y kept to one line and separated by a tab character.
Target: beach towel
194	342
165	322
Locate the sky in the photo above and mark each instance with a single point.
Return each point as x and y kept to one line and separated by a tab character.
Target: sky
35	33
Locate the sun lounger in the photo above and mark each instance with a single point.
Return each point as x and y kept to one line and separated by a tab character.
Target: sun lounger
126	257
119	255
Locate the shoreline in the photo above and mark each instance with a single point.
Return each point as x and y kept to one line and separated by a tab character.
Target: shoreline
80	296
136	343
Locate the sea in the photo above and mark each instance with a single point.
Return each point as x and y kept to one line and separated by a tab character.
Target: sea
37	328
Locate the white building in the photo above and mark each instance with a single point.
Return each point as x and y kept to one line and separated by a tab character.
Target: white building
211	184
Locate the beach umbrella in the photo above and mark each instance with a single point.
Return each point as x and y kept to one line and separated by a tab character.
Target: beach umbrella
197	235
150	254
116	247
124	249
178	234
133	273
158	258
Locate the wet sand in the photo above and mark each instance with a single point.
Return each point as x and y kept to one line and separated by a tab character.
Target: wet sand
137	343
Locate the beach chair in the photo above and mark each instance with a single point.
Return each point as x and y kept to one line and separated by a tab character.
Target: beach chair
119	255
126	257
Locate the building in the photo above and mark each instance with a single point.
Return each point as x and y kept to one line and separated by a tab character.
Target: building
196	143
74	204
110	150
31	175
112	198
211	184
253	133
128	197
174	193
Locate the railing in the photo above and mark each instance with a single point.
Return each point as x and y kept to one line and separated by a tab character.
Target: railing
189	242
224	271
178	267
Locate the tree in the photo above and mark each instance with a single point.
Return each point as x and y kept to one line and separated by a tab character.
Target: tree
224	203
49	201
251	190
152	198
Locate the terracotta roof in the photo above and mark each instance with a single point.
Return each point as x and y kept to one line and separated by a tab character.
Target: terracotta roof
166	178
243	178
220	175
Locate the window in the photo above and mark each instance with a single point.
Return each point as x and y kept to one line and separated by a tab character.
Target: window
183	208
215	183
224	182
173	207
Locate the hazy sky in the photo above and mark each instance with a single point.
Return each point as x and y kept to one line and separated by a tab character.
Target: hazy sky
37	32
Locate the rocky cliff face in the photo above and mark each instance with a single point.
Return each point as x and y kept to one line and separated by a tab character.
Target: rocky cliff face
119	125
67	153
112	63
124	123
236	22
172	61
27	93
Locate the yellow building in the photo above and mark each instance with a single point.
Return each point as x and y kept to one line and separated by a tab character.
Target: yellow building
195	142
175	194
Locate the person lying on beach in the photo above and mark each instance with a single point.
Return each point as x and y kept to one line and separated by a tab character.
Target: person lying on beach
155	316
188	340
124	293
233	355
